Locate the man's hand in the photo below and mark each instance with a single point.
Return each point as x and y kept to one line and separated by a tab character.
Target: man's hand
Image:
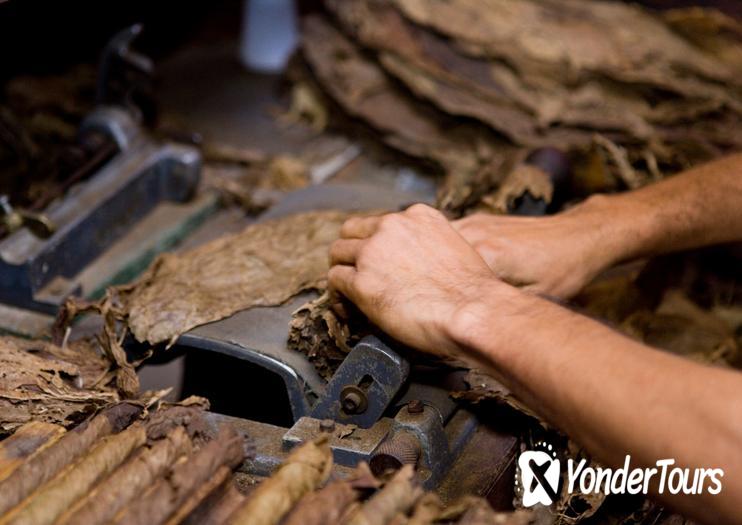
554	256
409	273
560	254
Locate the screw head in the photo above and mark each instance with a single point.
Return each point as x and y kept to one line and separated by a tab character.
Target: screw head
415	407
327	425
353	400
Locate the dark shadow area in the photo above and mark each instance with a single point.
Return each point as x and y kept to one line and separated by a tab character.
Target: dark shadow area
236	388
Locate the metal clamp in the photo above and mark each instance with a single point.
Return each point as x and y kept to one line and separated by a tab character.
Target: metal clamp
364	386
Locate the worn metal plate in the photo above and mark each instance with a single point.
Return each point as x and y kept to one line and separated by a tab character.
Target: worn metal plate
347	450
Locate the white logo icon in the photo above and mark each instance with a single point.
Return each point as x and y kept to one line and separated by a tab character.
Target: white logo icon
539	473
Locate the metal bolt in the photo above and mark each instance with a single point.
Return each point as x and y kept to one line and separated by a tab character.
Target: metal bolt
353	400
403	448
327	425
415	407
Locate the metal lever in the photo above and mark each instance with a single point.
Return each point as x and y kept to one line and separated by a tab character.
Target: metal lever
364	386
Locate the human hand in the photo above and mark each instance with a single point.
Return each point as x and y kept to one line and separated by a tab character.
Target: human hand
410	273
554	256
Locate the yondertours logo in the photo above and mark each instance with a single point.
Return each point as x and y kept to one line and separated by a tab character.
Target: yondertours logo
540	476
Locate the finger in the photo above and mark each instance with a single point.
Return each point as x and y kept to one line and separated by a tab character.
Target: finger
345	251
458	224
340	278
360	227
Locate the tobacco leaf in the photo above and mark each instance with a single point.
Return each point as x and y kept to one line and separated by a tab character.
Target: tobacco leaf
568	39
681	327
397	496
253	185
171	492
711	30
26	441
584	62
443	75
470	155
130	480
50	501
221	476
111	337
484	387
328	505
188	414
529	114
536	73
43	382
523	179
264	265
217	507
305	469
316	331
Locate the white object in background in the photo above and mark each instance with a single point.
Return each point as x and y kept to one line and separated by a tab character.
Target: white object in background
269	34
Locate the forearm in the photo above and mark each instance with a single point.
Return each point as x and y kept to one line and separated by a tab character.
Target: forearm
700	207
611	394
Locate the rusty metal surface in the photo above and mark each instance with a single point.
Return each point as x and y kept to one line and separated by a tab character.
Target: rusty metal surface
486	467
349	446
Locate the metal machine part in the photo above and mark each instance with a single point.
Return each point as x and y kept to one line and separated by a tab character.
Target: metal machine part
357	405
375	408
37	273
364	386
14	219
125	76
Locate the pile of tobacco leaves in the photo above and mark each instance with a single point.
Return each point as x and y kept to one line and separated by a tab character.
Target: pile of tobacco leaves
469	86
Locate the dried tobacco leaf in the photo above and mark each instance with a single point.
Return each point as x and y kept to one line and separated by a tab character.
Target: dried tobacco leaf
217	507
51	500
568	39
43	382
525	178
126	483
711	30
533	114
111	337
188	414
171	492
48	462
433	70
364	91
197	497
328	505
537	73
26	441
304	470
264	265
316	331
471	156
397	496
680	326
